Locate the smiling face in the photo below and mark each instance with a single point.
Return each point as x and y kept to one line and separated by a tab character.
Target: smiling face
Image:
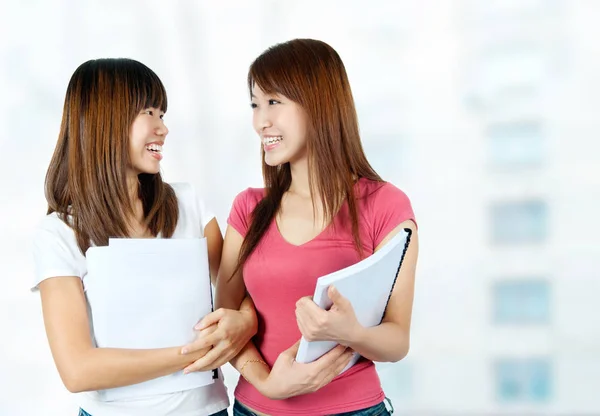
281	125
146	138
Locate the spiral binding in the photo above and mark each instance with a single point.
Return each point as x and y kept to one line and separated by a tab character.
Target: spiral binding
409	231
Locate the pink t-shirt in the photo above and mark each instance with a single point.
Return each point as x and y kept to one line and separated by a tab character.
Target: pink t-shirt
279	273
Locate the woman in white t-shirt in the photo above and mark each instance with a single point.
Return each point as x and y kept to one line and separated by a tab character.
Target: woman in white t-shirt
104	181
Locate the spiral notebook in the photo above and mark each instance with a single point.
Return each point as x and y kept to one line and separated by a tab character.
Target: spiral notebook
368	286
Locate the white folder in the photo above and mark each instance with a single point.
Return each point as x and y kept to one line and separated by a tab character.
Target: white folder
149	293
367	285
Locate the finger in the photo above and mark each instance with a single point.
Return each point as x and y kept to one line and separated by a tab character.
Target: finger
334	370
327	379
308	307
302	327
342	362
222	360
303	300
210	319
207	331
312	316
338	364
336	297
330	357
302	320
205	363
201	343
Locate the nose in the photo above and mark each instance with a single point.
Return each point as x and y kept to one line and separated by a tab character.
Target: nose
261	120
162	129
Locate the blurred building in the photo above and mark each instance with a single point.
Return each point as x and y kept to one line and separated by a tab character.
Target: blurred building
483	111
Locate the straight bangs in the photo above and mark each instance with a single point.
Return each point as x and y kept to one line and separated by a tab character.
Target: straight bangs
146	89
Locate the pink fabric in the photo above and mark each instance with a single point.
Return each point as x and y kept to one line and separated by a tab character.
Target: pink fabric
278	273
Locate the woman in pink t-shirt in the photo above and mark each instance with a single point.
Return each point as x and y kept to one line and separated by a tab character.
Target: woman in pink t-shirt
323	208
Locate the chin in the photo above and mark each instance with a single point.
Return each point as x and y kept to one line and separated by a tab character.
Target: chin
148	171
274	161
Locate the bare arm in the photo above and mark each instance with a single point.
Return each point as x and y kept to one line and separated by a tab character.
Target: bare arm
287	378
231	291
234	320
388	341
83	367
230	288
214	242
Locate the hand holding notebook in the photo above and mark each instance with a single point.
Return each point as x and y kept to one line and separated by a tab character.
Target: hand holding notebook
366	285
149	293
337	324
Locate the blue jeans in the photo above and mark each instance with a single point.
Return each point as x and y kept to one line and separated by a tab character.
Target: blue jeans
221	413
377	410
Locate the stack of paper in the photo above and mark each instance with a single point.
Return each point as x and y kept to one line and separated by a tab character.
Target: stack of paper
367	285
149	293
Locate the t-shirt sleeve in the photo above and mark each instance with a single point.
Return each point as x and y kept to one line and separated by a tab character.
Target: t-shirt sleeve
55	252
193	210
239	216
205	213
390	207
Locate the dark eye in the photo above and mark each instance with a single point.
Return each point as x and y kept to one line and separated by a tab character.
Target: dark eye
273	102
253	105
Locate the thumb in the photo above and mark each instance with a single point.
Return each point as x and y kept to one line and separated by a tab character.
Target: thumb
336	297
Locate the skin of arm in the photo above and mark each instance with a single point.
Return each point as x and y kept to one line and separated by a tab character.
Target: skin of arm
387	342
81	366
287	378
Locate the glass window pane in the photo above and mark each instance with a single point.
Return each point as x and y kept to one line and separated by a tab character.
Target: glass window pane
519	222
521	302
523	380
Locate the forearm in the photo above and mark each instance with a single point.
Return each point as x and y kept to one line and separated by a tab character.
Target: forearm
386	342
103	368
249	351
250	364
230	293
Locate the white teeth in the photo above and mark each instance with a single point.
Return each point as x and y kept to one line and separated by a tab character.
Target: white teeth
272	139
154	147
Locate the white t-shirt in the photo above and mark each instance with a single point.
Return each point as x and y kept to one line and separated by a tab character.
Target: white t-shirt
56	254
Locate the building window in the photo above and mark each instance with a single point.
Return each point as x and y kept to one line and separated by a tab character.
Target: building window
521	302
519	222
523	380
515	143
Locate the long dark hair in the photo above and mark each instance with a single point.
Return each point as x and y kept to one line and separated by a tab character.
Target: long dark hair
312	74
86	179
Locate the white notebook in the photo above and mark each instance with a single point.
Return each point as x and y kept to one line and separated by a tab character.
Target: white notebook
149	293
367	285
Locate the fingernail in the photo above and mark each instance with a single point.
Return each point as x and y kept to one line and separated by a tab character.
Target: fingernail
184	351
186	371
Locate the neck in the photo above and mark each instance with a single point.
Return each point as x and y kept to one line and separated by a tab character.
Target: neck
300	179
133	191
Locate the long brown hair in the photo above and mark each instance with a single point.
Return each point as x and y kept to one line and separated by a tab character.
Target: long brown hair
86	183
312	74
